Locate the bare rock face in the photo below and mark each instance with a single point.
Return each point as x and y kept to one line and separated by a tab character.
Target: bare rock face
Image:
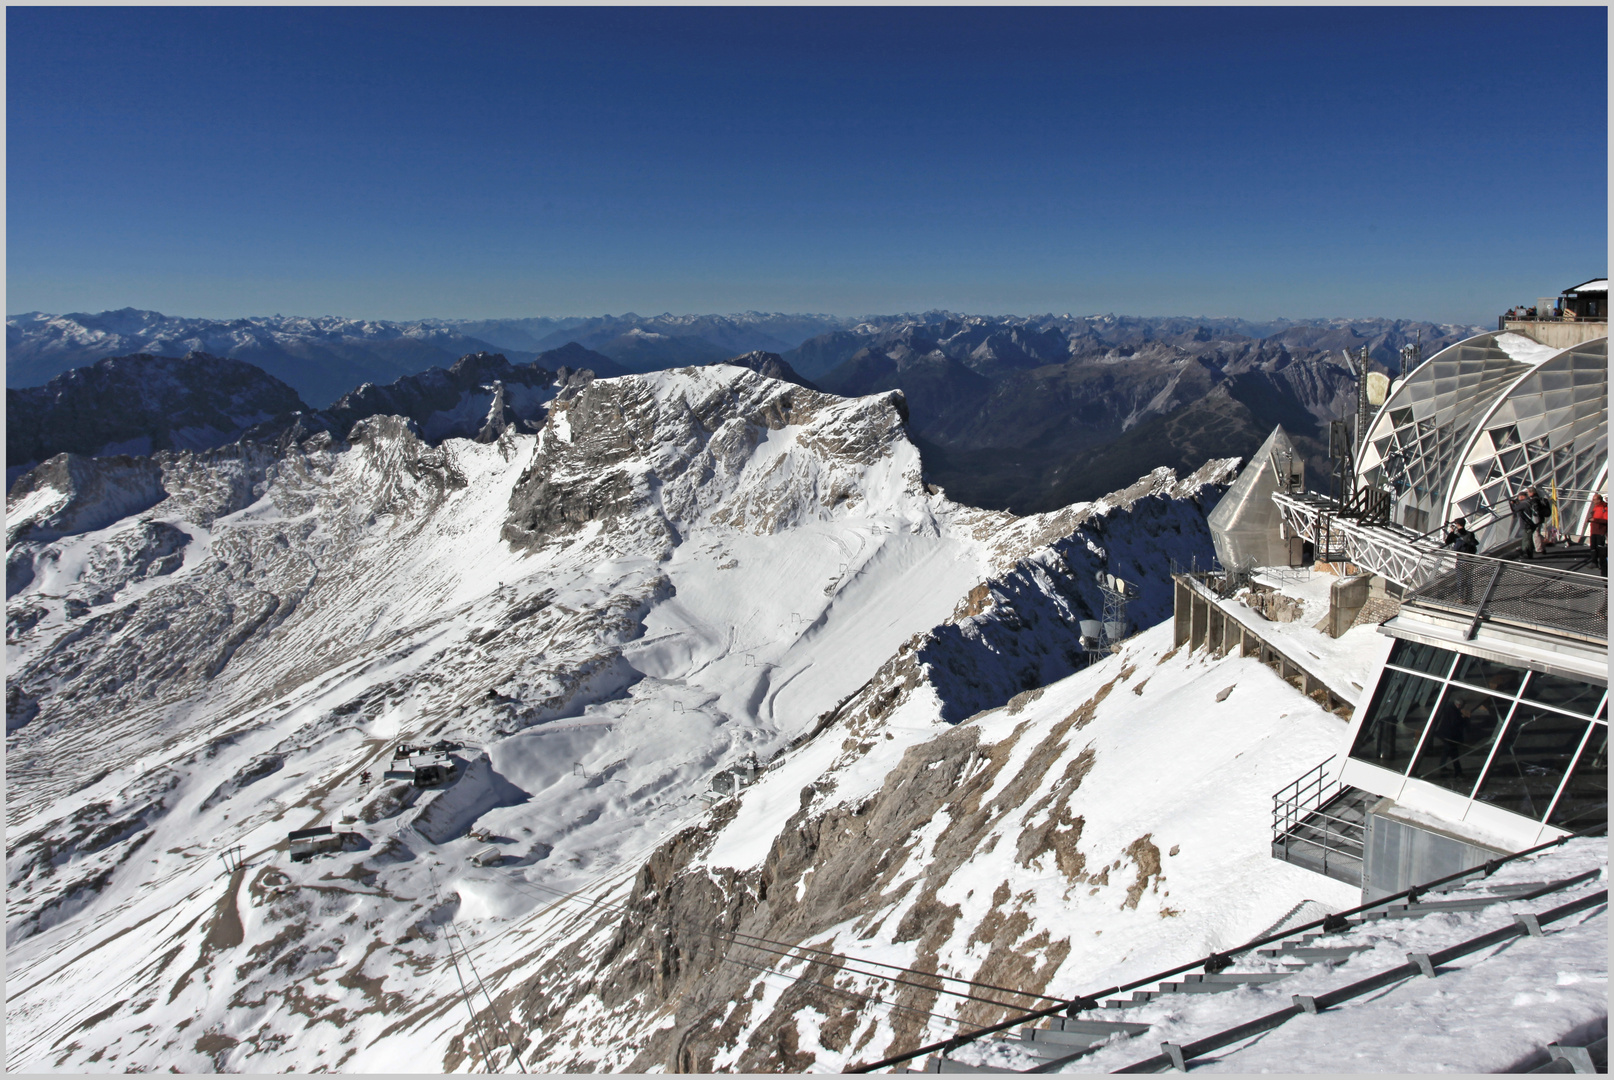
688	454
71	493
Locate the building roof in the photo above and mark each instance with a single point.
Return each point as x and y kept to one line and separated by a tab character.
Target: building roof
1594	285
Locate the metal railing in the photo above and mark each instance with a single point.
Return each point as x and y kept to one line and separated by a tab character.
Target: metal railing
1503	320
1300	816
1219	961
1302	796
1497	590
1178	1056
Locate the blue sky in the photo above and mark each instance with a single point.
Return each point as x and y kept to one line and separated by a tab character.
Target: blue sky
400	163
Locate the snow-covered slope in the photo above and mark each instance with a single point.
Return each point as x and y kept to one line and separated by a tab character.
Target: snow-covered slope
681	571
1099	828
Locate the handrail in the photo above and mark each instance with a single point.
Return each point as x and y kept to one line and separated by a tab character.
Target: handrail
1177	1056
1288	807
1216	962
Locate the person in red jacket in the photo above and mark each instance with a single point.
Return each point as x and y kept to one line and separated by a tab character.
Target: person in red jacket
1597	533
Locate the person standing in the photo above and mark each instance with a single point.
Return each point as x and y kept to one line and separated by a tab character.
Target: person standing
1597	533
1459	539
1530	510
1463	542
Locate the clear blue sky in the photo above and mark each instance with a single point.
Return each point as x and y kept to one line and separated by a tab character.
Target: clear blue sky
1433	163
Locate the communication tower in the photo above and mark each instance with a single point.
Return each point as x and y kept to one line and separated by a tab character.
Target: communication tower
1102	636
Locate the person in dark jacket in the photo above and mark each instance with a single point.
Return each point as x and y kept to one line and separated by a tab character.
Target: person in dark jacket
1530	510
1460	540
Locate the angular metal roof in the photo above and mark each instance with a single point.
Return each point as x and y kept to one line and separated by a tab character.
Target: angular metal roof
1245	522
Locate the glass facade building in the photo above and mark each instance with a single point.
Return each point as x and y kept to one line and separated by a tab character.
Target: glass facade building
1528	743
1484	419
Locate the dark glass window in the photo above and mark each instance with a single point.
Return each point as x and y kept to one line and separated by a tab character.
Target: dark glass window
1498	678
1460	738
1395	720
1420	657
1571	694
1584	802
1535	752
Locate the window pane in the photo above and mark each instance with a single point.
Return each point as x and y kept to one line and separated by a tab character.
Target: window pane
1420	657
1498	678
1584	802
1395	720
1535	751
1581	697
1460	738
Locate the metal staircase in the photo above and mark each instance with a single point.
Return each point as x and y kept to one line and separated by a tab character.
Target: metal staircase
1321	824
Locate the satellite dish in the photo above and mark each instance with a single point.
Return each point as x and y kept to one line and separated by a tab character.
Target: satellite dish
1378	387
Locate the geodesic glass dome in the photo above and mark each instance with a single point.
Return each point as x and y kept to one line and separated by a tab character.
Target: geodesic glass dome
1484	419
1549	430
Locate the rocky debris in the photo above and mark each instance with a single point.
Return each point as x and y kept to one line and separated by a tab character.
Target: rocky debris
1271	604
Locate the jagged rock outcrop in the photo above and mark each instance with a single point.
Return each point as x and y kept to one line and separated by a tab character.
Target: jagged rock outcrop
479	397
72	493
770	364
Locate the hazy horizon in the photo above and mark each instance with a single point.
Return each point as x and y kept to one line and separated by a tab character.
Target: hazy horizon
632	313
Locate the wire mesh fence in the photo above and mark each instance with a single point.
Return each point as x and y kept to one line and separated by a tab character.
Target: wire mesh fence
1511	592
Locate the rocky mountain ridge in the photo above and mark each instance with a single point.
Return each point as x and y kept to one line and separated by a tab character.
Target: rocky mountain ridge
140	404
1030	414
676	572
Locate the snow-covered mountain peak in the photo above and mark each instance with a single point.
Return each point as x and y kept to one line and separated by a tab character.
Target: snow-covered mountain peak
678	573
715	446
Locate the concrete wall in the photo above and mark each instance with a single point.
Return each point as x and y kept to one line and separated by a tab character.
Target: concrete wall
1557	335
1398	854
1346	598
1199	620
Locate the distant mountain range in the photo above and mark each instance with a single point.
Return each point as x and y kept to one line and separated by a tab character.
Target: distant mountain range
324	358
1031	414
1025	414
